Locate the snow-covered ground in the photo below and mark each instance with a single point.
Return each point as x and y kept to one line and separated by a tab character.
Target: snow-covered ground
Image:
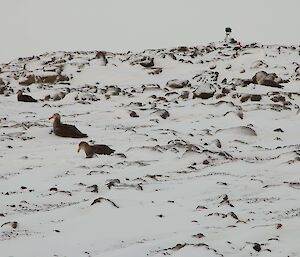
190	176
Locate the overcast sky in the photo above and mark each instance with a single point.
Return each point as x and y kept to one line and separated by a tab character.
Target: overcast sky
35	26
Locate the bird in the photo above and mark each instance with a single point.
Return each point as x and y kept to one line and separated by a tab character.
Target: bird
25	98
65	130
91	150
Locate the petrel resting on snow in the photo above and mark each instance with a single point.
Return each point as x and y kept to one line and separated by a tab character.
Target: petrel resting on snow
24	98
65	130
90	150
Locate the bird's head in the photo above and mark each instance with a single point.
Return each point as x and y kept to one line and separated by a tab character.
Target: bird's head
82	145
55	116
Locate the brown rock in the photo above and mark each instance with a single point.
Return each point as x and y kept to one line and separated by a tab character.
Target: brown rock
255	98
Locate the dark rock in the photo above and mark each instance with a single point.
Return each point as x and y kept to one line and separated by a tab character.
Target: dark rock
224	81
225	90
205	162
257	247
47	97
182	49
199	235
134	114
255	98
147	63
163	113
278	130
278	98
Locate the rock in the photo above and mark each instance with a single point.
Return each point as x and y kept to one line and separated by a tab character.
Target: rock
255	98
101	56
134	114
205	162
205	91
14	224
113	90
48	79
51	79
59	96
182	49
278	98
155	71
185	94
240	82
236	131
245	98
199	235
224	81
163	113
259	64
30	79
147	63
213	66
226	90
278	130
257	247
47	97
217	142
176	83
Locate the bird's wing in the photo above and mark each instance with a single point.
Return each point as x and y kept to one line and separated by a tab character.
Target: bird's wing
102	149
69	131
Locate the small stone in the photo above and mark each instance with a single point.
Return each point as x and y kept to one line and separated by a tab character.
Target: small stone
257	247
14	224
278	130
134	114
199	235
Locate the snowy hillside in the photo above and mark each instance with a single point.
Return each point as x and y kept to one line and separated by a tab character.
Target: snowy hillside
206	162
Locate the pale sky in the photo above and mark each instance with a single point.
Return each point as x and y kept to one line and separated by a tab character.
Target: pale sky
31	27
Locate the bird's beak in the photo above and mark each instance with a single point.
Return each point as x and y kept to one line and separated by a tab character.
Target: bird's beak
78	150
51	117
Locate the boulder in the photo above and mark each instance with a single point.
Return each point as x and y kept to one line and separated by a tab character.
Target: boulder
205	91
177	83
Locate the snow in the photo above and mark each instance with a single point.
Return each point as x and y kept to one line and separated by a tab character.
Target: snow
175	180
